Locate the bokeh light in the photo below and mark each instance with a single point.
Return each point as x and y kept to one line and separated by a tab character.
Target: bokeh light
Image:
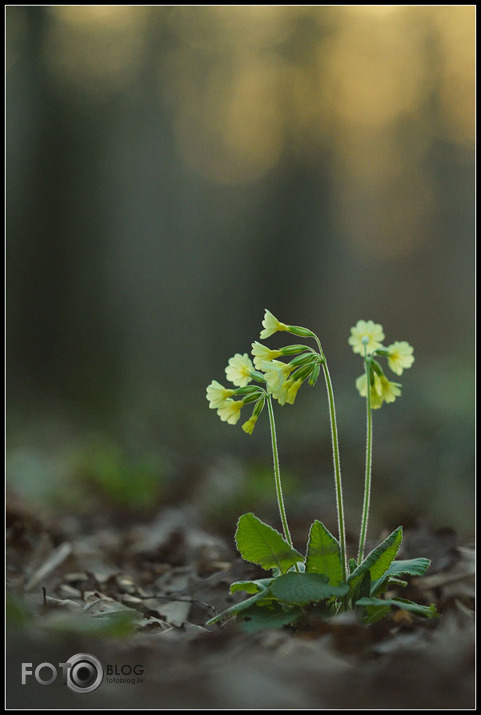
174	170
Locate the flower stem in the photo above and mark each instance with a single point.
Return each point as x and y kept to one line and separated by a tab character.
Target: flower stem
367	478
277	473
337	470
337	460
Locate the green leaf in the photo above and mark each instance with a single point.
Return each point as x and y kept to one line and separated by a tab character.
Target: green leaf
250	586
364	588
323	553
383	583
417	608
303	588
260	544
258	619
400	582
374	613
409	567
380	558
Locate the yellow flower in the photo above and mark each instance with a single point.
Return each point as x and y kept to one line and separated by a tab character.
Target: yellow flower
389	390
262	354
271	325
381	390
368	330
361	382
217	394
239	370
248	426
276	373
292	387
229	411
400	356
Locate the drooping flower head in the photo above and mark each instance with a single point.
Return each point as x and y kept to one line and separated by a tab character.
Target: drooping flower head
271	325
239	370
382	390
366	333
400	356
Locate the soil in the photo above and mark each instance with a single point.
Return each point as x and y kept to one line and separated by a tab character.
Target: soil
137	594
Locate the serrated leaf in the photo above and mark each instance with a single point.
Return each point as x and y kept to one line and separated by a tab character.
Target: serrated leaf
378	561
258	619
303	588
417	608
409	567
323	553
260	544
250	586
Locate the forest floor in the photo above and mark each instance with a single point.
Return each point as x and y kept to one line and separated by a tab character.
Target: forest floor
136	594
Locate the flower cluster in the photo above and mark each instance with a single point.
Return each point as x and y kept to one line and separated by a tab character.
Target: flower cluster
366	339
281	380
240	371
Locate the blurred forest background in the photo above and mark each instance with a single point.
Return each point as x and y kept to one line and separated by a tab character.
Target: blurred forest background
172	171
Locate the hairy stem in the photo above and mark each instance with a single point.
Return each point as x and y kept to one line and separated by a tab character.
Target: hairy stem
277	473
337	468
337	461
367	478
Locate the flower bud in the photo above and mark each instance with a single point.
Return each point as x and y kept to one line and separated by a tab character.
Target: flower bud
292	349
302	372
314	374
308	357
302	332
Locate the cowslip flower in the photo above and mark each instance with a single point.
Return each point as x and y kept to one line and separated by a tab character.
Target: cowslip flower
262	354
400	356
276	374
382	390
361	385
292	387
239	370
248	426
217	394
230	410
389	390
271	325
366	333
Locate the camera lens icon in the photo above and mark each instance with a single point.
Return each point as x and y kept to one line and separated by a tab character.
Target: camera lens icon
85	673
